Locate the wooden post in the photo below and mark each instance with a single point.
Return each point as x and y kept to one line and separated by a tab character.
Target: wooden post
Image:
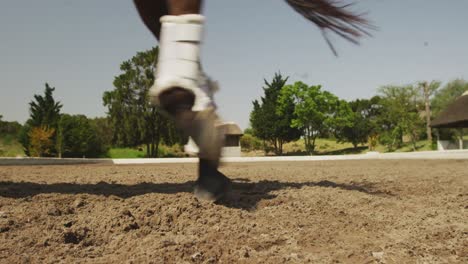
460	141
438	141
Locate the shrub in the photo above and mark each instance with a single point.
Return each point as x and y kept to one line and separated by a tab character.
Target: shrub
372	141
249	142
174	151
77	137
41	143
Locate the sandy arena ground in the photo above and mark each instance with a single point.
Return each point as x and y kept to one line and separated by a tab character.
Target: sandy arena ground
284	212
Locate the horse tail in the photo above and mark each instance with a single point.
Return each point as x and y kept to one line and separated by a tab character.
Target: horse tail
334	16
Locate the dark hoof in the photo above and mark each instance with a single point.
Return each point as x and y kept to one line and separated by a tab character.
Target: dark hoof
211	185
176	100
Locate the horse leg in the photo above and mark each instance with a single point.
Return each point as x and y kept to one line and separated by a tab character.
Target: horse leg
182	89
150	11
184	7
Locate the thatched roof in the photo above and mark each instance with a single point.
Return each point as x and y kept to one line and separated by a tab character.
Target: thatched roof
231	128
455	115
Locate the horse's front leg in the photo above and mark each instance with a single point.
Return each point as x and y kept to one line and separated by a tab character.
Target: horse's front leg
184	7
183	90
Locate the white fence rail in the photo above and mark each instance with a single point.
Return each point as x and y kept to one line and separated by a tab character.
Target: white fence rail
450	154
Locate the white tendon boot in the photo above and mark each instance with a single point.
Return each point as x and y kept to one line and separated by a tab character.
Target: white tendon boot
179	67
179	59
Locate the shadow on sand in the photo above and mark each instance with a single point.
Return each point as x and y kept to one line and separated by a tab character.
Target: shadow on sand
244	195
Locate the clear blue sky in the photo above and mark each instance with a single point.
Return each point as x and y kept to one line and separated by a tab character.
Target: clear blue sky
77	47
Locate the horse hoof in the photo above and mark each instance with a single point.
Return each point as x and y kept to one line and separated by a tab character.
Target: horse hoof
211	185
204	193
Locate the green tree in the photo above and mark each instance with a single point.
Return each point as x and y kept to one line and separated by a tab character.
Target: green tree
341	117
78	137
446	95
23	137
364	121
44	113
267	122
10	128
401	114
133	119
316	111
104	131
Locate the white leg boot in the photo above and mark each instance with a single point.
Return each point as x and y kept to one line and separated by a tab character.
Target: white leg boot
179	67
179	60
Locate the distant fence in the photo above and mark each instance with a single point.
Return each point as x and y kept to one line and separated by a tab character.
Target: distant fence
452	154
52	161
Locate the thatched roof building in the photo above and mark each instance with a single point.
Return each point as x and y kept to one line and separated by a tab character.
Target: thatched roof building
233	134
231	128
455	115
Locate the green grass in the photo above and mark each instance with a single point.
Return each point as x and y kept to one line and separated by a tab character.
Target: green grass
422	145
125	153
10	147
323	146
133	153
332	147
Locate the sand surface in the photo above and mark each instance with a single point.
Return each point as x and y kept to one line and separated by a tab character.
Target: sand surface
366	211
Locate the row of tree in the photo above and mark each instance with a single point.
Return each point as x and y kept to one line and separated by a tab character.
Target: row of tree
10	128
50	133
289	112
130	122
135	121
285	113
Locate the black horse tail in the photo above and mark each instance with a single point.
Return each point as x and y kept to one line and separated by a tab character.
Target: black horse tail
334	16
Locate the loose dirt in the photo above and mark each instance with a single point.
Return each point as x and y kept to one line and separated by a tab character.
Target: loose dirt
285	212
